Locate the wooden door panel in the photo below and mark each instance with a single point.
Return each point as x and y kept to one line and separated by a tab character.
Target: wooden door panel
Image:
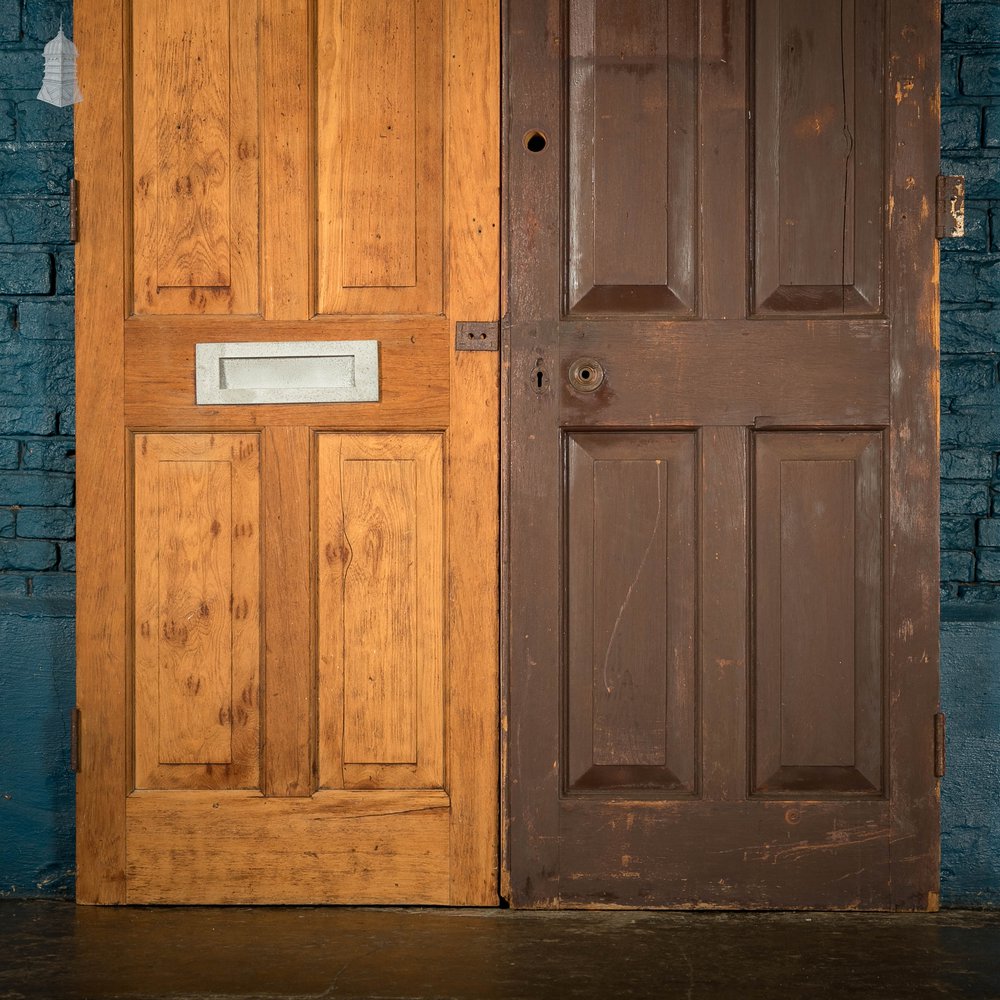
631	683
380	606
819	143
380	156
195	163
265	711
197	611
819	688
632	245
801	372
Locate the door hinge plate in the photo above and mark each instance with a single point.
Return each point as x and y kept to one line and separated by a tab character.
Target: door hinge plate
939	734
74	210
477	336
74	740
950	207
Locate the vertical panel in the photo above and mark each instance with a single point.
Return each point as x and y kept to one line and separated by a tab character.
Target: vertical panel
381	649
820	155
102	467
289	649
287	171
379	156
379	178
632	581
632	156
195	157
197	621
819	613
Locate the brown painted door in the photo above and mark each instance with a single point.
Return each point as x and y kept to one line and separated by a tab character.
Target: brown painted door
723	468
287	610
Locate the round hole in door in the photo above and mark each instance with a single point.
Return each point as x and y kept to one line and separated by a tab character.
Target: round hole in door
586	374
534	141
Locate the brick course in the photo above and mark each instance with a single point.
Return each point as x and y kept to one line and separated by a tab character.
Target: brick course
970	309
37	525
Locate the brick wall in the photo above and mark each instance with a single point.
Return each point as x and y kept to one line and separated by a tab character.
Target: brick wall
37	554
970	304
36	463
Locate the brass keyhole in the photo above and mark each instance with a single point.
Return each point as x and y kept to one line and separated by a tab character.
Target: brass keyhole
586	374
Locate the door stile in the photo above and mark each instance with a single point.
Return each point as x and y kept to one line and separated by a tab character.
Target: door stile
101	445
473	471
536	457
913	611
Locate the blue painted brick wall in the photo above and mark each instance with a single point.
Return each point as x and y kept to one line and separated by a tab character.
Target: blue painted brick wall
970	310
37	552
36	313
970	443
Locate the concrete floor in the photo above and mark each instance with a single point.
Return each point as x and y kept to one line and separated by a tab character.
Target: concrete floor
56	951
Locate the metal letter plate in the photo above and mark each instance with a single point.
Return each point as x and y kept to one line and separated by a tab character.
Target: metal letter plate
303	371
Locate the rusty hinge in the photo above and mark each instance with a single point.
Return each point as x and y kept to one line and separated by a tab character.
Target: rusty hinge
950	207
939	745
74	210
477	336
74	740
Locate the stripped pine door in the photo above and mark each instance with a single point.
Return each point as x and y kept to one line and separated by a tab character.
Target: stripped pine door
287	610
723	471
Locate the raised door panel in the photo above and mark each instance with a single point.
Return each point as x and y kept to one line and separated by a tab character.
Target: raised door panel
195	174
631	683
196	612
632	132
381	610
818	714
819	137
380	159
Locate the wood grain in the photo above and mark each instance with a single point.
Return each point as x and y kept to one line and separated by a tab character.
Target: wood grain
197	611
413	366
407	846
101	518
195	166
380	164
288	209
380	610
289	658
376	848
472	479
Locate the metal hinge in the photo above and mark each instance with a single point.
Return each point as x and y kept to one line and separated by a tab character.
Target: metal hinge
950	207
74	210
74	740
477	336
939	745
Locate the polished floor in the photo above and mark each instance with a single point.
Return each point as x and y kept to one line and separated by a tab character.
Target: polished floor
55	951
